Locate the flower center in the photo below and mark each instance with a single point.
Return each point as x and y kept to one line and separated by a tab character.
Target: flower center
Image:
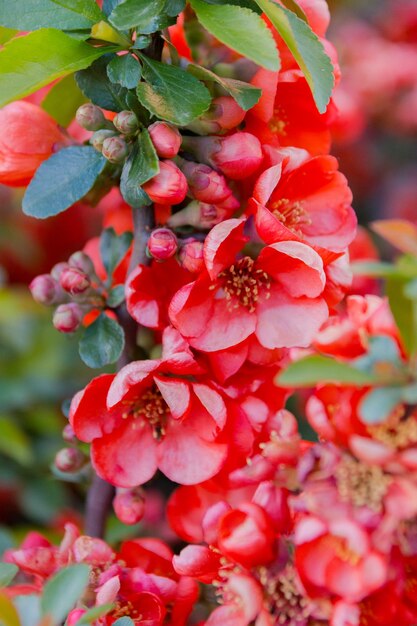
360	484
291	214
151	408
242	283
277	124
285	601
398	431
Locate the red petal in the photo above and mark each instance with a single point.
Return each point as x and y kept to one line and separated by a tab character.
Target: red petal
176	394
222	244
130	381
89	415
225	328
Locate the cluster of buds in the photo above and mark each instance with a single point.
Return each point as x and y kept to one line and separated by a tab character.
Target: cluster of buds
71	287
164	244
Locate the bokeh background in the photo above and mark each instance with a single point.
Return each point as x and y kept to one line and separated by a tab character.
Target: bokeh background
376	144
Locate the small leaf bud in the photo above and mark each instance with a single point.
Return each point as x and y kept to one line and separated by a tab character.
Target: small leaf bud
115	149
90	117
126	122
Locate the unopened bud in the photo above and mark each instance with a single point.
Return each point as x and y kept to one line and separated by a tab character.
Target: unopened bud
68	434
191	256
166	139
203	215
126	122
57	270
74	616
67	317
90	117
226	112
162	244
69	460
82	262
45	289
98	138
115	149
169	186
129	505
205	184
74	281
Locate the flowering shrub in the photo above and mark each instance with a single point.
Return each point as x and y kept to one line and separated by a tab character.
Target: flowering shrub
218	291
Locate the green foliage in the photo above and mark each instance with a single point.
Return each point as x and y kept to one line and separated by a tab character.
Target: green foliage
102	342
73	170
240	29
62	14
6	34
61	592
378	404
171	93
141	165
124	70
116	296
63	100
96	86
124	621
311	370
28	63
141	14
306	48
94	613
14	443
404	310
113	248
245	95
7	572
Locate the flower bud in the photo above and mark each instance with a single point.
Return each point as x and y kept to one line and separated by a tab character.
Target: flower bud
45	290
191	256
202	215
237	156
90	117
98	138
74	616
69	460
205	184
226	112
83	262
57	270
166	139
68	434
126	122
129	505
162	244
169	186
74	281
115	149
67	317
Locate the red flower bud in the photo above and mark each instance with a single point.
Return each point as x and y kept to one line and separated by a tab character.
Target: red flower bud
90	117
115	149
45	290
237	156
162	244
99	137
28	136
226	112
191	256
57	270
68	434
67	317
82	261
74	616
169	186
74	281
69	460
129	505
126	122
166	139
205	184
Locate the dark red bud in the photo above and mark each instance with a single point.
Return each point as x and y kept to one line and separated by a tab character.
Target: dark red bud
69	460
68	317
74	281
162	244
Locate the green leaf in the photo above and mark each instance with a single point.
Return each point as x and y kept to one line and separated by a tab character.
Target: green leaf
141	165
61	592
240	29
7	572
307	50
116	296
92	614
62	180
28	63
171	93
14	442
245	95
309	371
61	14
113	248
63	100
136	13
102	342
6	34
124	70
124	621
377	404
295	8
404	311
96	86
110	5
373	268
174	7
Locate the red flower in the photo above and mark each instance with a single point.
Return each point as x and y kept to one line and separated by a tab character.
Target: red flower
148	417
310	197
28	137
275	297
